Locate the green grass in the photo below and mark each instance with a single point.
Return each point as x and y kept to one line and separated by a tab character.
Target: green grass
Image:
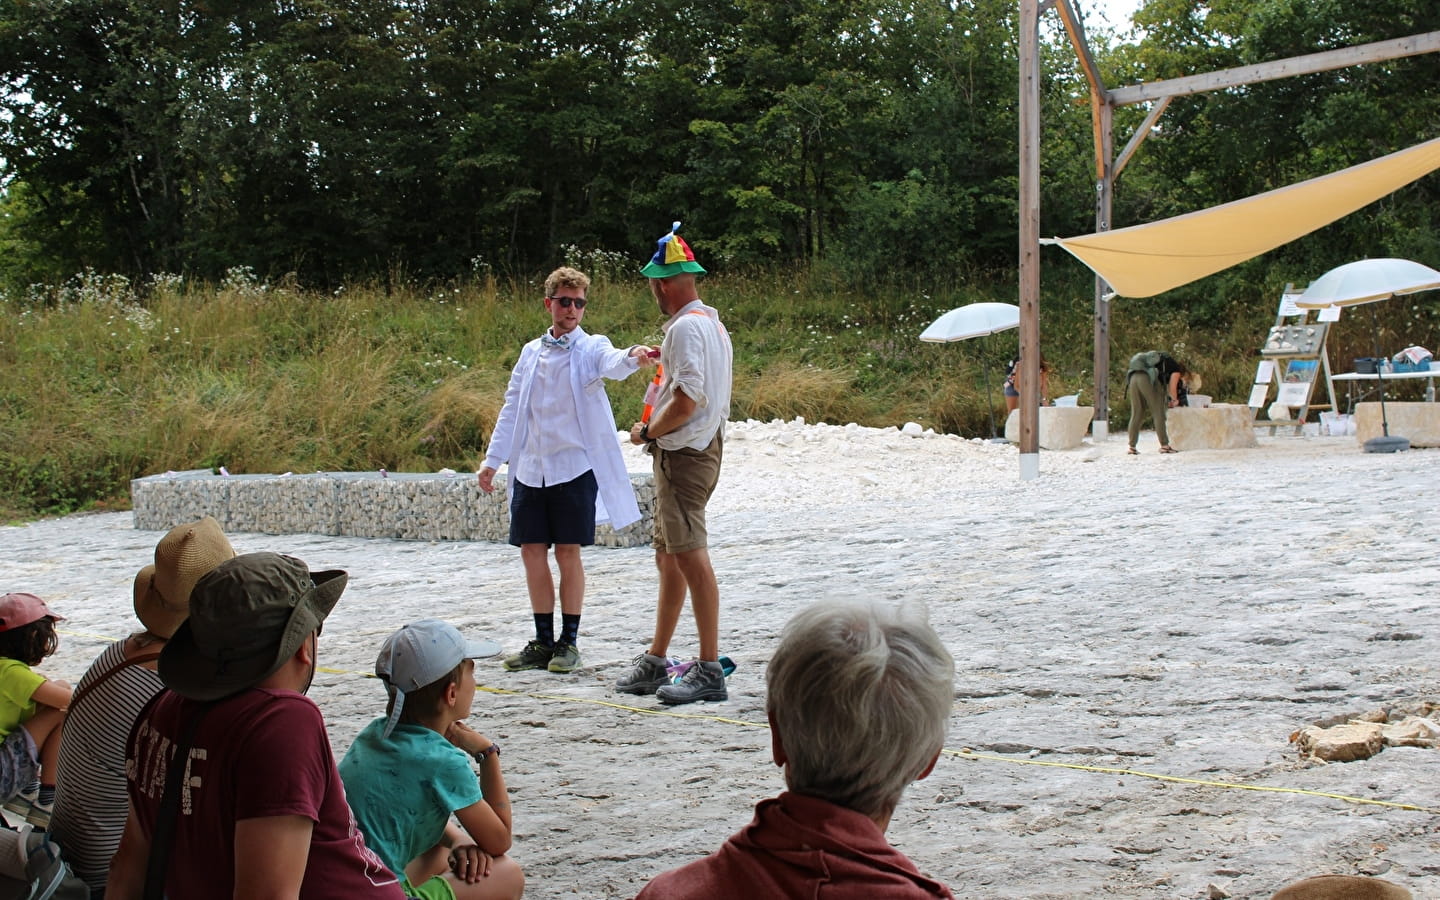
106	382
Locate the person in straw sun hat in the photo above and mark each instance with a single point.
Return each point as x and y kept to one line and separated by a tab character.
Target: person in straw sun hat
1342	887
90	800
162	589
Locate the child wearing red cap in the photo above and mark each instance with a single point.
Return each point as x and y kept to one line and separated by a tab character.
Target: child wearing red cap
32	707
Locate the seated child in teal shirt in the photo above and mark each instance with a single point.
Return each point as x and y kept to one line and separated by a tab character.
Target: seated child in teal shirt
407	772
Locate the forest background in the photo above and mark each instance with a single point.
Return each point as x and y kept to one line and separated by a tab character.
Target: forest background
309	234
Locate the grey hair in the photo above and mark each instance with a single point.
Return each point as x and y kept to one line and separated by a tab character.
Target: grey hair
861	696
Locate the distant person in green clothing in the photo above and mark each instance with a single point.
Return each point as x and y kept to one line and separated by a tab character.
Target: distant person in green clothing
409	770
1156	381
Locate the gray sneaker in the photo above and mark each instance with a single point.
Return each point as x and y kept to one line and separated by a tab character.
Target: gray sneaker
704	680
565	660
646	674
535	656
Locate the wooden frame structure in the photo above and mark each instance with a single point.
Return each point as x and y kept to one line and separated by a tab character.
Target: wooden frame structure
1108	167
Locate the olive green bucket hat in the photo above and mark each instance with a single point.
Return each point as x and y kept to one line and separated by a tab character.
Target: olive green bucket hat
248	615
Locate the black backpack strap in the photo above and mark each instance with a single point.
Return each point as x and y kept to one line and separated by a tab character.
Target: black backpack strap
164	832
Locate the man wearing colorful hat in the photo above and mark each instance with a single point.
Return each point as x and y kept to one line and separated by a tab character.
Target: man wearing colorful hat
685	435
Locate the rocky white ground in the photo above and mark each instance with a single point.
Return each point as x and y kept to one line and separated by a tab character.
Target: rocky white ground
1176	615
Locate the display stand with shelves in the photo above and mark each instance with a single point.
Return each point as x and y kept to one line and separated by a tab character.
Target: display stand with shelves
1294	359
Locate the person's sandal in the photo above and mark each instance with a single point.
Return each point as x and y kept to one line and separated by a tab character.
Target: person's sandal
1134	452
1166	448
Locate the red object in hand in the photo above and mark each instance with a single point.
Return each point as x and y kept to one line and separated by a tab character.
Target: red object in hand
652	393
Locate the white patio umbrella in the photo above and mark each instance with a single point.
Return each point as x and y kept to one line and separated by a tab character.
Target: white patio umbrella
1365	281
975	320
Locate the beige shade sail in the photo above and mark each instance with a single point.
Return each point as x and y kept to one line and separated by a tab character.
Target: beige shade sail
1144	260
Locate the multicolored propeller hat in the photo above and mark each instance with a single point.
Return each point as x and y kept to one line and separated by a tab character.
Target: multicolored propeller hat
672	256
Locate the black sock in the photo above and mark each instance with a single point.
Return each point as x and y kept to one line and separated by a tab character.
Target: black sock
570	628
31	789
47	793
545	628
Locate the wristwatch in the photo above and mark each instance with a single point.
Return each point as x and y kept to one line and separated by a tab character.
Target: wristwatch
645	433
494	748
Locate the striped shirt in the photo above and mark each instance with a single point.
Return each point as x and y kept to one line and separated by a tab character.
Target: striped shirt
90	797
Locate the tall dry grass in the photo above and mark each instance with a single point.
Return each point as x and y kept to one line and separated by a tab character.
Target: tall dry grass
107	381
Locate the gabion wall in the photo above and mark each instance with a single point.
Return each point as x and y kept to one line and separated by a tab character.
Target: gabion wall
400	506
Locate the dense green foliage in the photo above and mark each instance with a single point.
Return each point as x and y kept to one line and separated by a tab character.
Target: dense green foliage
1218	147
342	140
846	168
398	138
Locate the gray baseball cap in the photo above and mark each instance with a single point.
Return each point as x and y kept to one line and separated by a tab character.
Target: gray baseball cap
422	653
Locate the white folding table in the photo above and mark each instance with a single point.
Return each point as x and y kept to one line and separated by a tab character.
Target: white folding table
1431	374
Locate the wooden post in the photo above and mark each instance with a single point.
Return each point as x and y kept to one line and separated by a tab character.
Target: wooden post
1104	198
1102	111
1030	238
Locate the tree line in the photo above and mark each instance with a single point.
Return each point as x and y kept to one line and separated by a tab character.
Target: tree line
349	139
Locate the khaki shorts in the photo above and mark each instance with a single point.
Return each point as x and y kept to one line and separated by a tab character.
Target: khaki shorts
684	481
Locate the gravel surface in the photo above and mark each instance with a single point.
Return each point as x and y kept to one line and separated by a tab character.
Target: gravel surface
1136	638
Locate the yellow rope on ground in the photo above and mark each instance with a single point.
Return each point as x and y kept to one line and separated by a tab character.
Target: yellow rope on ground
1180	779
964	753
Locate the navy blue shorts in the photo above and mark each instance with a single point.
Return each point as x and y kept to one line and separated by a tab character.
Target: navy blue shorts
554	514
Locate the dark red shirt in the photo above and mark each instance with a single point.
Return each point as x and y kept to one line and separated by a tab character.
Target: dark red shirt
799	846
258	754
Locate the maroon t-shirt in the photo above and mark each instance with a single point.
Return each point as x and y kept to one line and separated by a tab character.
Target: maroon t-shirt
257	754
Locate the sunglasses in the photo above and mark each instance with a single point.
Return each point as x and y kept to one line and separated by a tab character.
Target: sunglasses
567	302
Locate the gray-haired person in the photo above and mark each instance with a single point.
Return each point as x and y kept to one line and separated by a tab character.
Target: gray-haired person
850	743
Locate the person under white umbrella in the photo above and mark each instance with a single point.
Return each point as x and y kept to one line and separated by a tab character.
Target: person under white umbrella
975	320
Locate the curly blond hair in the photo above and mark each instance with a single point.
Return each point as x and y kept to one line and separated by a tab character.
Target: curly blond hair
566	277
